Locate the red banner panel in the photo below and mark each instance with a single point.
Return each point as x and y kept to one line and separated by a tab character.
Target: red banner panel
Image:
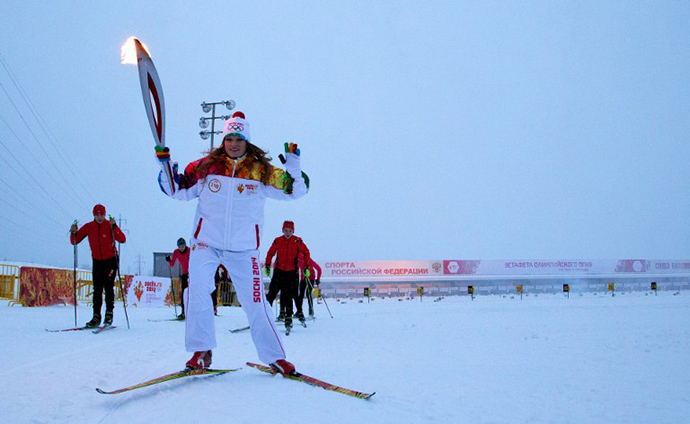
44	287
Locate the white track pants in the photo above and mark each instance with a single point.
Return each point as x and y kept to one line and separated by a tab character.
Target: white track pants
245	271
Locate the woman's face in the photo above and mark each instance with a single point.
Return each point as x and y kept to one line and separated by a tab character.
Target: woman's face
235	146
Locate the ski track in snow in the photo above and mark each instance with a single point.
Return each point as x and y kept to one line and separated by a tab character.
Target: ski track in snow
543	359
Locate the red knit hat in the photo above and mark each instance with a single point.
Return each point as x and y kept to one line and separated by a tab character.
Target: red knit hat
99	210
289	224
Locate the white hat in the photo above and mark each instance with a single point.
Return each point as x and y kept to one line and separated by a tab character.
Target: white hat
237	126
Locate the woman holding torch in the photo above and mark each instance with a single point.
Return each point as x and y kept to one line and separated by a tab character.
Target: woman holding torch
231	184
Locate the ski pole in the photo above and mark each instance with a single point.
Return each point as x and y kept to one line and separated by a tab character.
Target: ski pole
119	277
310	299
322	297
172	289
122	291
75	275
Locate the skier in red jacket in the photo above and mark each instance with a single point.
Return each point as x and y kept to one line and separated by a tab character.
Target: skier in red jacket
285	275
102	236
181	255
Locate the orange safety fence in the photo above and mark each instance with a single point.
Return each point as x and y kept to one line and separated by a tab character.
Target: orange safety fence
9	282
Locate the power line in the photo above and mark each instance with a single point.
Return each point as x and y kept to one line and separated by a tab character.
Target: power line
139	261
23	213
41	122
35	232
30	204
37	142
32	177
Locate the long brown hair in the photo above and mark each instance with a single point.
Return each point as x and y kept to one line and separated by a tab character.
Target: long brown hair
254	154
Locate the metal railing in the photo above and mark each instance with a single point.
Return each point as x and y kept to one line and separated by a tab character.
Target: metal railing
9	282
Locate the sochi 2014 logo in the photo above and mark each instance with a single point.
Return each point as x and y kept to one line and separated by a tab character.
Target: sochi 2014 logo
235	126
214	185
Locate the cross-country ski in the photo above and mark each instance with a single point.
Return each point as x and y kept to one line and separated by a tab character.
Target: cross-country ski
168	377
103	328
70	329
296	376
485	203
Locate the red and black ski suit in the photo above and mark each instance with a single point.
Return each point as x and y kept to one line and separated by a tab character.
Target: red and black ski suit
183	259
314	279
285	275
105	260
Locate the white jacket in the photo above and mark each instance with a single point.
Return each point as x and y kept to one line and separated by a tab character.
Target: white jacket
230	212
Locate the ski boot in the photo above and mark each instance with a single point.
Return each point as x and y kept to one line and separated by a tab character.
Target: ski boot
302	320
283	367
95	321
199	360
281	317
181	317
108	318
288	325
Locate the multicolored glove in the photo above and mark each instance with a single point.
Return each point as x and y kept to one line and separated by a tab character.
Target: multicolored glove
291	148
267	270
292	165
162	154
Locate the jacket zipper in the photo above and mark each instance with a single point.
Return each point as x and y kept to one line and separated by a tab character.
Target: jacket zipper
230	203
100	250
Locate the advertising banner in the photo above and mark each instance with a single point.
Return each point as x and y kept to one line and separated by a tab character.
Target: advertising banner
43	287
668	267
364	269
146	291
544	267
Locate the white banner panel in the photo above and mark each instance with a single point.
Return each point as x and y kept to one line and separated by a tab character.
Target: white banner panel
359	269
669	267
544	267
148	291
409	270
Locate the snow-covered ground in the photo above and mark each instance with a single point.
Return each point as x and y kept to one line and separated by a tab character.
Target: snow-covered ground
545	359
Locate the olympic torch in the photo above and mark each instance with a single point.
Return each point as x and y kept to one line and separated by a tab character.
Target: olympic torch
134	52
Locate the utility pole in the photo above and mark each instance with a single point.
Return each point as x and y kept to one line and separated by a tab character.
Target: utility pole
139	261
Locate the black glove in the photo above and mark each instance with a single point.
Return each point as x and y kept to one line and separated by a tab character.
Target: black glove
168	258
317	282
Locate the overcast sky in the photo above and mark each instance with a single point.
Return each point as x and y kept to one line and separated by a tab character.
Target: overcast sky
430	130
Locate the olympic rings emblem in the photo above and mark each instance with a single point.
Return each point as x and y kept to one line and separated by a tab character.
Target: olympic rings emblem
236	126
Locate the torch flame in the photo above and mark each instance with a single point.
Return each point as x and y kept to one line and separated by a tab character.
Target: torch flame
128	52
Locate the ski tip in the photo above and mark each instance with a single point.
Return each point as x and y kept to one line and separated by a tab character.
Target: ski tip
103	392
